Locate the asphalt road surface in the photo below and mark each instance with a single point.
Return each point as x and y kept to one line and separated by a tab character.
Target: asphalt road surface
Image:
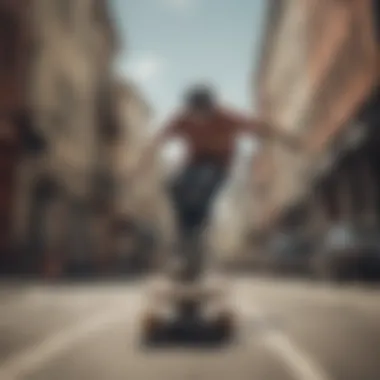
287	330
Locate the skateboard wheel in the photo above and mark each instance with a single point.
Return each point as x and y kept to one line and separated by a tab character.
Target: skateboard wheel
226	319
150	325
225	324
154	329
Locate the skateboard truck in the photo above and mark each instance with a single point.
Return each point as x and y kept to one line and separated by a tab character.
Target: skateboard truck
188	313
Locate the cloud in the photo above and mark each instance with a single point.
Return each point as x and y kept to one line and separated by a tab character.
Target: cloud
145	69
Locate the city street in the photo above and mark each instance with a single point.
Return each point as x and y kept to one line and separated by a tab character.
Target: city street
289	329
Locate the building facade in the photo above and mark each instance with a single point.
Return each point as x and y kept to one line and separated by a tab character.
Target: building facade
73	44
315	93
135	201
16	47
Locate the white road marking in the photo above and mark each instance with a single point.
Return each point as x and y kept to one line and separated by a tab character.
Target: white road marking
298	361
17	367
35	357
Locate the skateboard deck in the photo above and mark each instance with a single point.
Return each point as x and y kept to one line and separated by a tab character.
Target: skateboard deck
193	292
173	291
188	312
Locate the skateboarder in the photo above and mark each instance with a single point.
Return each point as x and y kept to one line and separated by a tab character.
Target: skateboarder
210	131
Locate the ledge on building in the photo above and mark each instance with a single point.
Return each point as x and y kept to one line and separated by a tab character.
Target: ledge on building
109	127
103	15
31	140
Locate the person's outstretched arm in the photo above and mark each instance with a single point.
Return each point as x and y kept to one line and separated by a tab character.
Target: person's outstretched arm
262	129
266	130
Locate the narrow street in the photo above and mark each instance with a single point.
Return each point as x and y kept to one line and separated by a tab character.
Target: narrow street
288	330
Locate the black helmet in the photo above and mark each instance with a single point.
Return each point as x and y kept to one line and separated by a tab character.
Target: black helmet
200	97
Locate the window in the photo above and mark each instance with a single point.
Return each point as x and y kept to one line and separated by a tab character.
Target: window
98	11
64	9
376	16
340	236
66	104
31	140
9	36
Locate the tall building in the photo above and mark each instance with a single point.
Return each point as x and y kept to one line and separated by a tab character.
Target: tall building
135	117
319	66
69	60
16	47
130	203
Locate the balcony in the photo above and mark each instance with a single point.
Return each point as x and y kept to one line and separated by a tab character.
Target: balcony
32	142
107	113
104	190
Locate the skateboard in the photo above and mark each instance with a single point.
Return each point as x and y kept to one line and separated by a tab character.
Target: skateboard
192	312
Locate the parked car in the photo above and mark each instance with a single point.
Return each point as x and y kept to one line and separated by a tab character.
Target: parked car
289	253
348	252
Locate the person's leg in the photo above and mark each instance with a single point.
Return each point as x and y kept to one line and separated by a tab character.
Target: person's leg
192	197
213	177
177	190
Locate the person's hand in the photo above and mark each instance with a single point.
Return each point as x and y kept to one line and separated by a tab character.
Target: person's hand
271	132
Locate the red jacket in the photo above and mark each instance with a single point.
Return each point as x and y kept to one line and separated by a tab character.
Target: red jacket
212	137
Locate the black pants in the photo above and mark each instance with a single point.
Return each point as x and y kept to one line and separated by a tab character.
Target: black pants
193	192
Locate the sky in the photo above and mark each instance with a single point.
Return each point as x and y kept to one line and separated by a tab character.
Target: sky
167	45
